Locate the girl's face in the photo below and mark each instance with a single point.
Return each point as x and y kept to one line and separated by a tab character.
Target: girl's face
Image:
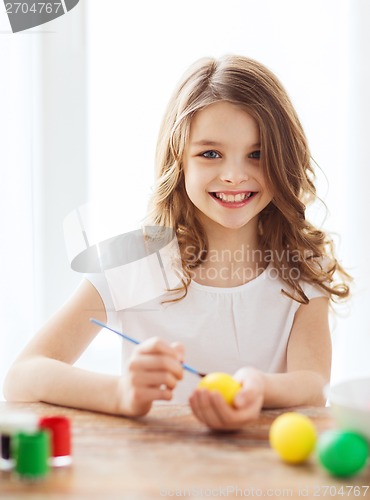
223	175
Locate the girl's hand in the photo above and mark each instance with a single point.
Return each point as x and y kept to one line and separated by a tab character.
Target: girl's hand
211	409
151	374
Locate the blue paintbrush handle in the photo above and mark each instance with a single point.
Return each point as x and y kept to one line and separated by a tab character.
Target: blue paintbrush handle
134	341
103	325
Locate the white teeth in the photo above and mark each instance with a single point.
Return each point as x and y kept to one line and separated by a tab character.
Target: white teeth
230	198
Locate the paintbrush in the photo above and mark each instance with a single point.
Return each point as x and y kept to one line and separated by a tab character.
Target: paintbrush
134	341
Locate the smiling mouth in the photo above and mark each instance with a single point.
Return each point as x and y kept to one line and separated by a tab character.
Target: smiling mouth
231	198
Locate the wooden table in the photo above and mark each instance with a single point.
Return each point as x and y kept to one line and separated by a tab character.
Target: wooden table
169	453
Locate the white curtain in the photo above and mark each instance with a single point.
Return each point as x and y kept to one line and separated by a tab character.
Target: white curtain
43	170
17	297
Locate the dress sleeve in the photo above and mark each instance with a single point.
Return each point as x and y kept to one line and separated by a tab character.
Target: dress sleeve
99	281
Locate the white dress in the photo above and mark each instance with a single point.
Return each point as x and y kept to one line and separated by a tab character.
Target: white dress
222	329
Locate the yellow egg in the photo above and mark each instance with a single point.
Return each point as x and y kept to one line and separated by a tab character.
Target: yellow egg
293	436
223	383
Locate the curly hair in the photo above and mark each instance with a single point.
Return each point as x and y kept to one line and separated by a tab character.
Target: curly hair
287	167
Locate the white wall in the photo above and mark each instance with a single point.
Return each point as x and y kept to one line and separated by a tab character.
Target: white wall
355	347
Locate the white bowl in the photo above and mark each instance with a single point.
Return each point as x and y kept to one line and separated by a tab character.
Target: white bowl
350	405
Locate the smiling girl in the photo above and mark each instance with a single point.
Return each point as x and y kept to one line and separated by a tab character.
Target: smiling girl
234	177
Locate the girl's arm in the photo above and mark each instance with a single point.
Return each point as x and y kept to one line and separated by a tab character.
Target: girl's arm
308	360
43	371
308	370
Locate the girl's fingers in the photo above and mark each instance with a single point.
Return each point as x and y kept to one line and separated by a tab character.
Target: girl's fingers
223	415
253	382
153	379
156	354
140	401
196	406
156	345
140	362
151	374
153	394
203	403
211	409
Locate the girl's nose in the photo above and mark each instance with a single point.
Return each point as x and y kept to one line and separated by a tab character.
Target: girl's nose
234	174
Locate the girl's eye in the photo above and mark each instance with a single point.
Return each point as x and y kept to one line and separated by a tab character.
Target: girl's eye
256	155
210	154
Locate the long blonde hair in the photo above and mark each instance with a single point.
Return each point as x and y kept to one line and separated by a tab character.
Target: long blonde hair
285	158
